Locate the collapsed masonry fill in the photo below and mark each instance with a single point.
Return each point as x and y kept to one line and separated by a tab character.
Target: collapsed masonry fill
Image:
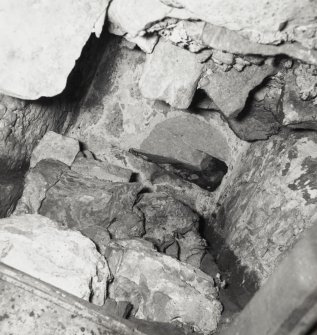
168	175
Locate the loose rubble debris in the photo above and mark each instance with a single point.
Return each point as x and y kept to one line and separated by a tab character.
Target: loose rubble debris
190	120
113	214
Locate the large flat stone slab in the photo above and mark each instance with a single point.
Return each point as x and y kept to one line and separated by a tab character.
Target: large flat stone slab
40	42
66	259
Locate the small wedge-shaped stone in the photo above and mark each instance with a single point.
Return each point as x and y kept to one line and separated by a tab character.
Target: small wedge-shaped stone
57	147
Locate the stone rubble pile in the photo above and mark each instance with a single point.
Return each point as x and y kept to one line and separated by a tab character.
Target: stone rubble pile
150	241
174	111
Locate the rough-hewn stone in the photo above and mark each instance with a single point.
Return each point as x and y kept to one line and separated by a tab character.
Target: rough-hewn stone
164	77
230	90
298	107
271	201
166	218
176	139
115	115
271	28
66	259
57	147
289	22
92	168
37	182
79	202
44	40
180	293
192	248
23	124
218	37
114	112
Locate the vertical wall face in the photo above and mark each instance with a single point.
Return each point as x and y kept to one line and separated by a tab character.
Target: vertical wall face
115	114
271	201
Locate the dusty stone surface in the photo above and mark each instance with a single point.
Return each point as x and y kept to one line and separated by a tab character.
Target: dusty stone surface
123	118
57	147
231	41
38	54
99	236
255	123
166	218
37	182
299	99
23	124
180	293
79	202
183	33
92	168
114	112
164	77
176	138
273	28
258	24
66	259
230	90
134	18
271	201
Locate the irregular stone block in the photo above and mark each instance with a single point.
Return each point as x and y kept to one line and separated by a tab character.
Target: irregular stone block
192	248
134	18
79	202
180	293
299	102
164	77
66	259
127	226
218	37
39	53
271	23
57	147
37	182
39	308
92	168
230	90
165	218
266	23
